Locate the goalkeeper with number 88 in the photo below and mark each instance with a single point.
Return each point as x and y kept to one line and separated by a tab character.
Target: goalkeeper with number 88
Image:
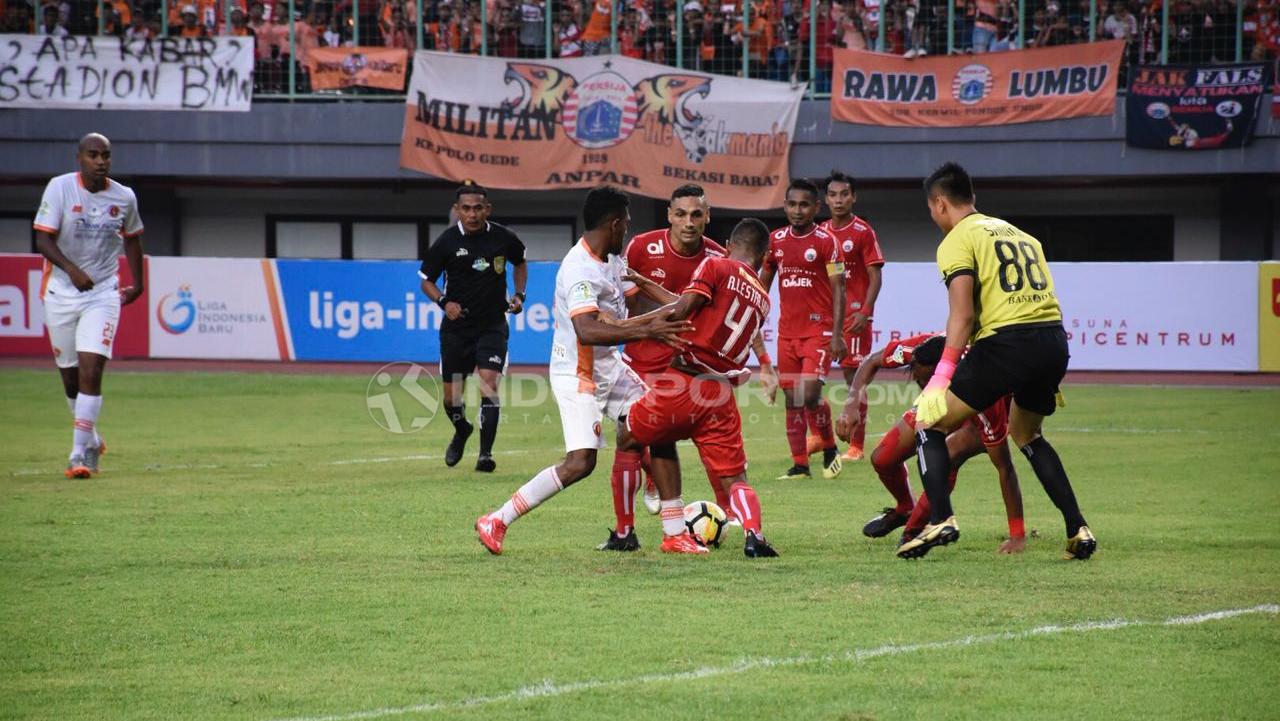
1003	305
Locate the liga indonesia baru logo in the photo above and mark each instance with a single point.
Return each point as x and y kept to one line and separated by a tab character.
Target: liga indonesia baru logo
176	312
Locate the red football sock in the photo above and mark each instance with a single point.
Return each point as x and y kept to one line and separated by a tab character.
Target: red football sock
892	469
625	480
795	436
746	505
920	515
722	496
820	423
860	435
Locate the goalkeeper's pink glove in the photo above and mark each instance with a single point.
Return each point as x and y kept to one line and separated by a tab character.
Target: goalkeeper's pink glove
931	404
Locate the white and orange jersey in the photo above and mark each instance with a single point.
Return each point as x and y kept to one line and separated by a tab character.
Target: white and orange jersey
585	283
89	227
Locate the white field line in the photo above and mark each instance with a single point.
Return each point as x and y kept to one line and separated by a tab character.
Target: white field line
549	688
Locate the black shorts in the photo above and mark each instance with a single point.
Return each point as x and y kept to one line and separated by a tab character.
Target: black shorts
1028	362
465	349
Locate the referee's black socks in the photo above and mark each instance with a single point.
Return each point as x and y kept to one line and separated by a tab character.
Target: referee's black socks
457	416
935	466
488	424
1048	467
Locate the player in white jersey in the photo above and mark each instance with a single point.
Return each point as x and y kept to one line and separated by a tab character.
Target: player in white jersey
83	220
588	378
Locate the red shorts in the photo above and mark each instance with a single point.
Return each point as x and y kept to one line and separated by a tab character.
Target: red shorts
679	406
992	424
859	347
649	372
803	358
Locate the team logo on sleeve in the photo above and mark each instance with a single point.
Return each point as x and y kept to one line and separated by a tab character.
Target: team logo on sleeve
899	355
581	293
810	254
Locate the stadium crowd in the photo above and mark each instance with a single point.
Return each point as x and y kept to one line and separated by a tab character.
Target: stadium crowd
775	35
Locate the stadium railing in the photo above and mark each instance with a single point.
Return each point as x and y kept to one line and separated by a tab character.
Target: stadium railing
783	40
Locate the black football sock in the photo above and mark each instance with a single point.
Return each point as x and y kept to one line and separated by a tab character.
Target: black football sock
457	416
489	409
935	465
1048	467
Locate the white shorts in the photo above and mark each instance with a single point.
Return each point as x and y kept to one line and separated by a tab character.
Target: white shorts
581	413
81	323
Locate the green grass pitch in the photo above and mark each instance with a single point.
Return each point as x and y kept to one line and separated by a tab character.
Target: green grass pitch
257	548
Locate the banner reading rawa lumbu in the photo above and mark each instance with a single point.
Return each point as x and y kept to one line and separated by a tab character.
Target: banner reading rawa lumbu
1017	86
582	122
370	67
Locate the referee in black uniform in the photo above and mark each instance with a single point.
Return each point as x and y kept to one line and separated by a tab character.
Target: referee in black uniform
474	255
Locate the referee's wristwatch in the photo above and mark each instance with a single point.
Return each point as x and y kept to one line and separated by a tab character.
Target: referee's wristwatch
442	301
520	295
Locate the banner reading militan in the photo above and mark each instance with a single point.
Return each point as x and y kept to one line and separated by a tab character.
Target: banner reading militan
580	122
1017	86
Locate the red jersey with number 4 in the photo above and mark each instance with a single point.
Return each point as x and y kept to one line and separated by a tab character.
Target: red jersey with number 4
859	249
736	307
803	264
652	255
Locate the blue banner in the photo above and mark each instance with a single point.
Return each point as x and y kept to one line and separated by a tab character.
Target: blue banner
374	310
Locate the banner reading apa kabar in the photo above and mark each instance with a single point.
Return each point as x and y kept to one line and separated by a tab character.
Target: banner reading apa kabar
1017	86
370	67
87	72
1194	108
581	122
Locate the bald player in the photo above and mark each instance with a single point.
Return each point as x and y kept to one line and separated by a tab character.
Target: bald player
83	220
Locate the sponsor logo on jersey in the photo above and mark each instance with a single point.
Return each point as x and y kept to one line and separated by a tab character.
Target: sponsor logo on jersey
658	273
480	265
495	359
462	253
801	282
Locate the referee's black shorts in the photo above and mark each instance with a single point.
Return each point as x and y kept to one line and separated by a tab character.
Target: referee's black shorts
462	350
1028	361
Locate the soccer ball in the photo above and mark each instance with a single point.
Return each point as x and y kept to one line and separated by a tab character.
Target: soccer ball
706	521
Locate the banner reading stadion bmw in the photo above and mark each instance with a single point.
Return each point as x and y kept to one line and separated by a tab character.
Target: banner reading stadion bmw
1016	86
580	122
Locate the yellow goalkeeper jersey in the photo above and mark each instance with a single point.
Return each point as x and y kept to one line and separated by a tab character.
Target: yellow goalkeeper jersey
1012	281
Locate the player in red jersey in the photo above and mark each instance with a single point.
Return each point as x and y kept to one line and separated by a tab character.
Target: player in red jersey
693	398
986	430
810	319
666	258
860	251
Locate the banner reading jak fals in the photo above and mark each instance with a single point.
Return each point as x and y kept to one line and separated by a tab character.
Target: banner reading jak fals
87	72
1018	86
1194	108
370	67
581	122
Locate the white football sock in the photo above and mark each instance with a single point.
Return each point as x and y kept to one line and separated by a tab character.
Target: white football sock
539	488
87	409
672	516
97	439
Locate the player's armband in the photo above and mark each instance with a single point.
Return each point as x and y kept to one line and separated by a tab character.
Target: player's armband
835	268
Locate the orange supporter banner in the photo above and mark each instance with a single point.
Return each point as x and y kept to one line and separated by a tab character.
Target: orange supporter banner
1018	86
370	67
580	122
